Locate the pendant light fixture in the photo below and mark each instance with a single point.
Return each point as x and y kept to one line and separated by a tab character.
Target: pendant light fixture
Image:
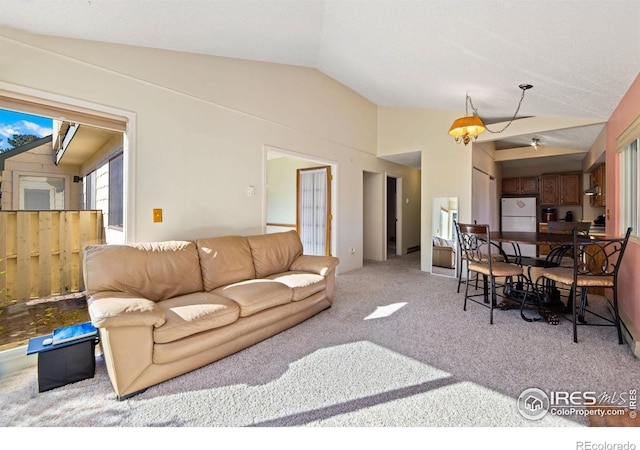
466	129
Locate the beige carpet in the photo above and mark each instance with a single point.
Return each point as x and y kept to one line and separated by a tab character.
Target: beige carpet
396	351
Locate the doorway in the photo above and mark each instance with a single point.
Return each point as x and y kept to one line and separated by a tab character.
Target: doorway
281	192
394	216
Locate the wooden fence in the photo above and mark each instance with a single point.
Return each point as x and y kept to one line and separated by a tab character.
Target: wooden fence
41	252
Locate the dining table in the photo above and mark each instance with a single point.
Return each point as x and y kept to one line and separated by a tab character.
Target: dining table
536	238
549	298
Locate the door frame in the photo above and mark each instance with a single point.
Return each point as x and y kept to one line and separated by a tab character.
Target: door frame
270	150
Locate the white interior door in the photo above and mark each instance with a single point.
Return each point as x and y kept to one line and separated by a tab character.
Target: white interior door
313	211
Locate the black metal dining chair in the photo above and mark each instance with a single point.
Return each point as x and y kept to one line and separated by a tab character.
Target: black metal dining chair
560	256
476	248
557	254
497	255
595	264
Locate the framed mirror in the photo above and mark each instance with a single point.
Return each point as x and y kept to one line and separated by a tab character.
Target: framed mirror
444	250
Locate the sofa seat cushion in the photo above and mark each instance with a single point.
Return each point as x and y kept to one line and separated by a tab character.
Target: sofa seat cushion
254	296
193	313
303	284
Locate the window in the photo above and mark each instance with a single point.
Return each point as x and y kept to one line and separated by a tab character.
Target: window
629	169
37	192
627	146
89	191
115	193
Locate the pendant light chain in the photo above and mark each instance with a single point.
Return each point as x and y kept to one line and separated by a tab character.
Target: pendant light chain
524	87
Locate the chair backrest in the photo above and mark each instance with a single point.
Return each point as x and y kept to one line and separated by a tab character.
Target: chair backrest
568	227
600	257
474	242
556	254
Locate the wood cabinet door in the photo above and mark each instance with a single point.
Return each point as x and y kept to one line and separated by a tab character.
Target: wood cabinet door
543	249
549	190
510	186
529	185
571	189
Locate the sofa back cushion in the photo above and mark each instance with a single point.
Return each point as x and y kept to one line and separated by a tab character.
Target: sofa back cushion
225	260
156	271
274	253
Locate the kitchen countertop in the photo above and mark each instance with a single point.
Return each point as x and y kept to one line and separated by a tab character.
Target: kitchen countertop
595	230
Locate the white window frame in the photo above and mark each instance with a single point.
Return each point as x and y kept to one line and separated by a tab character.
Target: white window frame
629	212
17	188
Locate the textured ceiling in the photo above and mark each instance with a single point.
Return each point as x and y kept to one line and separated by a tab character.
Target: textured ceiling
580	56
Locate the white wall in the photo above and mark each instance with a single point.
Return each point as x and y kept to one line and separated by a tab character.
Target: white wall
201	124
446	166
373	235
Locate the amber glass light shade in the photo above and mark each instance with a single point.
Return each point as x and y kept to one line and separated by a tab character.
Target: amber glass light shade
467	128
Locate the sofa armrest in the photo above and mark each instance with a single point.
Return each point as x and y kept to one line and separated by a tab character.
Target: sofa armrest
118	309
322	265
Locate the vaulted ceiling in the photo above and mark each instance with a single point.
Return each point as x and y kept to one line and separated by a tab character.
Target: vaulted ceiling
580	56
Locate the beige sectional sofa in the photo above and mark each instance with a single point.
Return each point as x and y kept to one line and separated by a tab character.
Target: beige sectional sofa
167	308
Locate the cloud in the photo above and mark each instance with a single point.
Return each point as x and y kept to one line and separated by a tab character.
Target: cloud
8	130
23	127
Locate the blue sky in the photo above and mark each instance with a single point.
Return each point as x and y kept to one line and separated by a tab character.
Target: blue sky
17	123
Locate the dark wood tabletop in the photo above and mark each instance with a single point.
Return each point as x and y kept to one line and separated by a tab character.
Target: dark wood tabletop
534	237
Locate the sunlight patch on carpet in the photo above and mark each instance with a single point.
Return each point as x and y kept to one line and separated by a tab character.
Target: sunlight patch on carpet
385	311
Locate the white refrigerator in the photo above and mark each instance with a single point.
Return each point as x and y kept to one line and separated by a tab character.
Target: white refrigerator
520	214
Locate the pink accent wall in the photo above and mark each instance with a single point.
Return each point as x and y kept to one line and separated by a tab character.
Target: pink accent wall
629	276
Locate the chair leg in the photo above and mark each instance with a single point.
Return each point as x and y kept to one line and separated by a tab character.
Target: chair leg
460	277
574	315
493	298
485	288
617	315
466	292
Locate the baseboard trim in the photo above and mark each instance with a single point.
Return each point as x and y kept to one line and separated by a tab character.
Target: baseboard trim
630	333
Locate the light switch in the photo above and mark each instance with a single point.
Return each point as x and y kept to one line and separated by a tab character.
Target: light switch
157	215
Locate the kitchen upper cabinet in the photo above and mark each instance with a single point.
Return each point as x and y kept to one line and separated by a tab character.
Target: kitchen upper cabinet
529	185
550	190
511	186
559	189
520	186
598	179
571	189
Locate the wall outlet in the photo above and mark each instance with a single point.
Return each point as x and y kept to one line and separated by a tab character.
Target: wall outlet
251	191
157	215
